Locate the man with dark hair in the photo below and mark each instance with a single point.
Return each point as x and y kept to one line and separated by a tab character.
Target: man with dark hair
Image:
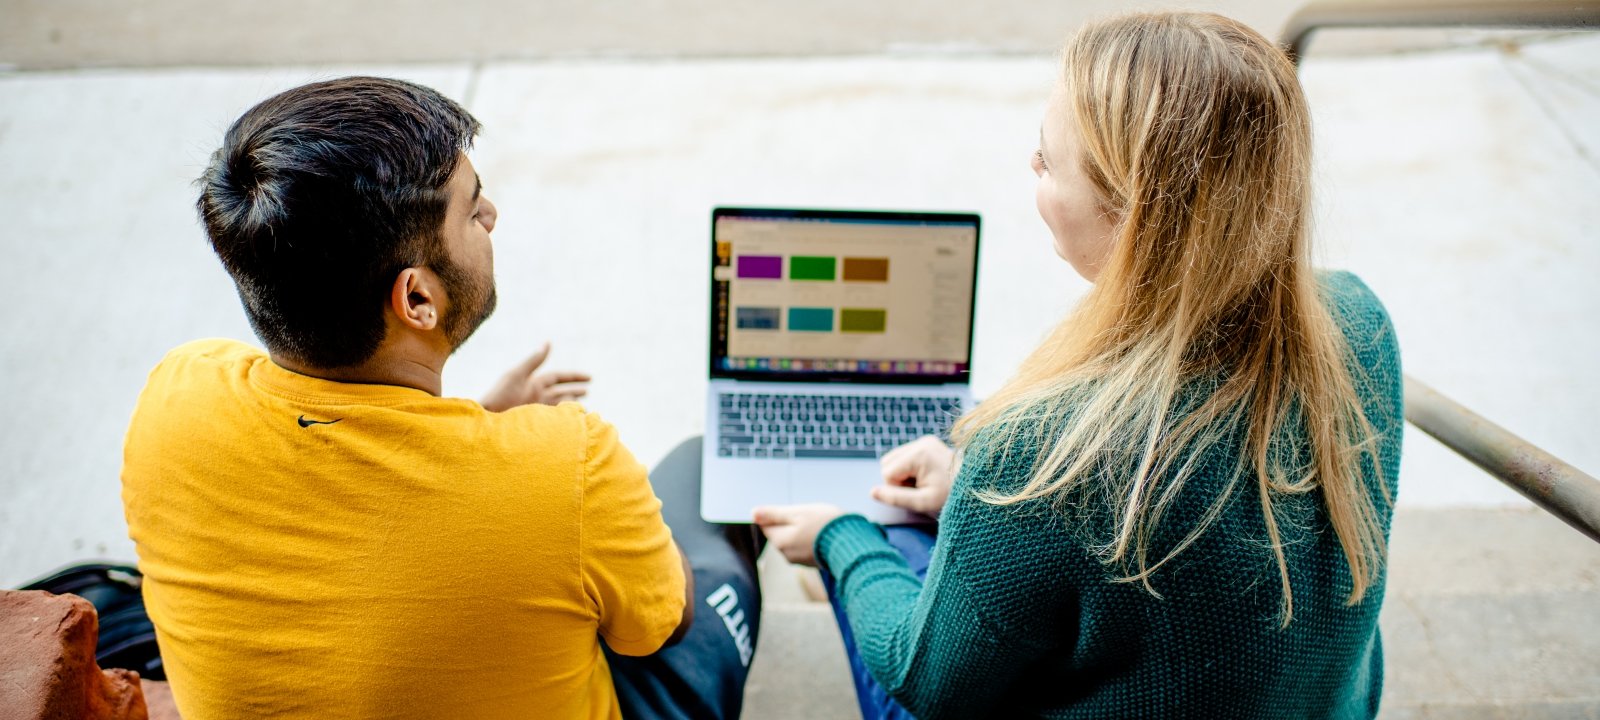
321	196
323	535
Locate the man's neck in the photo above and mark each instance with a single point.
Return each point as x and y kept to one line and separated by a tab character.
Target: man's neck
401	364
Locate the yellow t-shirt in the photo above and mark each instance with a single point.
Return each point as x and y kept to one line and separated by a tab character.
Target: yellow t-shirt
333	550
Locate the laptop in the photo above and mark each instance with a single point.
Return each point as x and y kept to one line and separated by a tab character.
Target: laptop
836	336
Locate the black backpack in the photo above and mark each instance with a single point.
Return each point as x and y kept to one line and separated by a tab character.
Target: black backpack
127	638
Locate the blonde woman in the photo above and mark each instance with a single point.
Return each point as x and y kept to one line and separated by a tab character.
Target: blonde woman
1179	504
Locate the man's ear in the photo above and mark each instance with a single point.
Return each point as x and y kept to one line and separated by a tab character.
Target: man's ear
415	298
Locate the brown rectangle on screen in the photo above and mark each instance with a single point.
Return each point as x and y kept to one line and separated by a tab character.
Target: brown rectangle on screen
866	269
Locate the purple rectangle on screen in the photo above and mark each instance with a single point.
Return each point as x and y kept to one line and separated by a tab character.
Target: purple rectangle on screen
760	267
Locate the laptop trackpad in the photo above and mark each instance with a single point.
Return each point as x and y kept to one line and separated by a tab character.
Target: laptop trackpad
846	483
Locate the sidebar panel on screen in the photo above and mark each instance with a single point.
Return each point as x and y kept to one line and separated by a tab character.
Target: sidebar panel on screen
721	272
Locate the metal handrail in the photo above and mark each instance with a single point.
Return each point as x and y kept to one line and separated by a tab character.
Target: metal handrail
1491	14
1563	490
1567	492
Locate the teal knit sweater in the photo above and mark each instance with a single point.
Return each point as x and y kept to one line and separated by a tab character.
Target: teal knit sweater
1019	619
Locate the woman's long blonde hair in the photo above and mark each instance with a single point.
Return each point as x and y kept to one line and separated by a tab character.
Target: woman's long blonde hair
1205	325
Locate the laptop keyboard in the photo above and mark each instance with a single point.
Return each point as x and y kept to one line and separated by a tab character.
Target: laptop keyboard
827	426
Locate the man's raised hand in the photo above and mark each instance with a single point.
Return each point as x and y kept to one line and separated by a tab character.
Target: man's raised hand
525	385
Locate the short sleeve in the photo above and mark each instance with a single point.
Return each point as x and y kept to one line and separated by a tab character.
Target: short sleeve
631	569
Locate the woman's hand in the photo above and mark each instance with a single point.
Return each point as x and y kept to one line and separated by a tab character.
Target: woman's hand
524	385
793	528
917	476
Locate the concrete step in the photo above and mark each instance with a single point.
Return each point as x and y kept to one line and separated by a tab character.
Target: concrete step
82	33
53	34
1489	614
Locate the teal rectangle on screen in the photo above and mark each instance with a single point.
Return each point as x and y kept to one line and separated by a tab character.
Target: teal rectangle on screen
810	319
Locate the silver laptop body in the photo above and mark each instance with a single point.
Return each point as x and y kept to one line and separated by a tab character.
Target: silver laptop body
836	335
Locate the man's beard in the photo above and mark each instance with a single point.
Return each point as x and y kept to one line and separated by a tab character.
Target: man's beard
472	300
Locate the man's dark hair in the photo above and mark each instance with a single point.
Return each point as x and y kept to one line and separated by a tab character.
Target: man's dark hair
320	196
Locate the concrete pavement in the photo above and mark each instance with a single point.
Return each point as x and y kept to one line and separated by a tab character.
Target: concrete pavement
47	34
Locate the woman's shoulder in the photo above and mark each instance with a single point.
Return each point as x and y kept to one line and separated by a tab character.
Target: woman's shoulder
1353	304
1374	353
1361	317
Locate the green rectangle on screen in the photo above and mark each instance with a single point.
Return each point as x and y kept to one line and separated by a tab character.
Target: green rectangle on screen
803	319
862	320
804	267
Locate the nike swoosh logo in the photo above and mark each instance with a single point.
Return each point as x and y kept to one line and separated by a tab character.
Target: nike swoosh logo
308	423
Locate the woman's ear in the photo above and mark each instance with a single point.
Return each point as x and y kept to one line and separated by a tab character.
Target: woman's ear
415	298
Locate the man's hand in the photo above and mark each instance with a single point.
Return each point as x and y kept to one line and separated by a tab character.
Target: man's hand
917	476
793	528
525	386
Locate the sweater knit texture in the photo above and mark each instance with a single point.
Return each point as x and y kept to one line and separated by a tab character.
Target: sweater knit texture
1019	618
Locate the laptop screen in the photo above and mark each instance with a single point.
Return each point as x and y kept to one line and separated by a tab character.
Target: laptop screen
835	295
